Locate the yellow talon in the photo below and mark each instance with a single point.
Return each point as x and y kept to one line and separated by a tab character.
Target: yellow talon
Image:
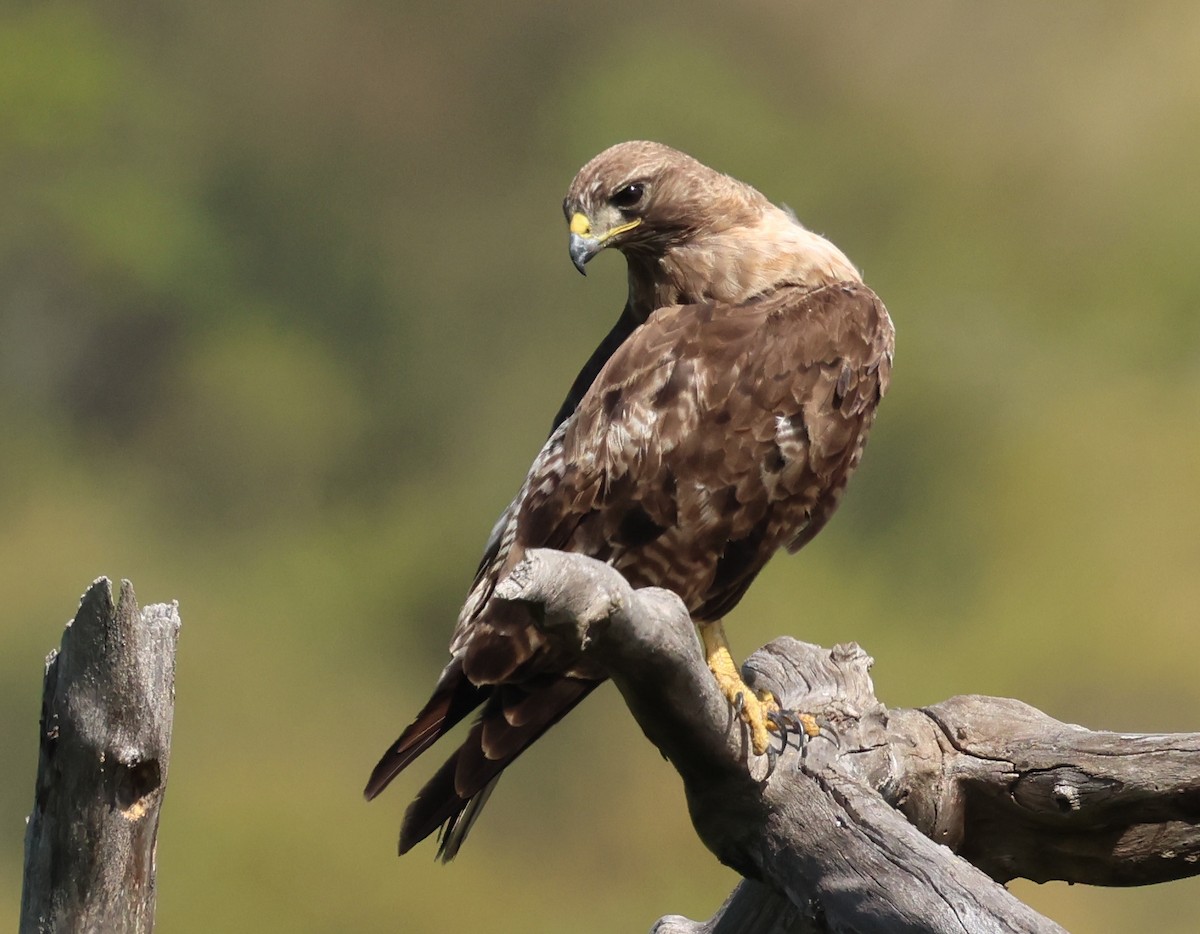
754	709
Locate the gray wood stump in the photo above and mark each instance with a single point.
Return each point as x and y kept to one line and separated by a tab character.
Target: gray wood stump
891	820
105	740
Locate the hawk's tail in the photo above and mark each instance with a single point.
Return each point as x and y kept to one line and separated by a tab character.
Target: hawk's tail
513	718
453	698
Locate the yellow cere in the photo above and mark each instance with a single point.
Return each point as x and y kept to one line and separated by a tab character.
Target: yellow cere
580	225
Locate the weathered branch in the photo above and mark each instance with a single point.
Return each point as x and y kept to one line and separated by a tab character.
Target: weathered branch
1044	800
844	834
107	705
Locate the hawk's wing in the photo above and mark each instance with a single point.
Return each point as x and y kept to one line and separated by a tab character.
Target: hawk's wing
713	435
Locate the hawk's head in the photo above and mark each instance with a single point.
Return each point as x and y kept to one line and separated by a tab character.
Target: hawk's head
643	196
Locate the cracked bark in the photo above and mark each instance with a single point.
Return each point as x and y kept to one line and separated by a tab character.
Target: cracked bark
105	740
893	819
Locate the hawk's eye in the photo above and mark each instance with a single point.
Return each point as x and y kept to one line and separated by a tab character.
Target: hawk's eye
629	196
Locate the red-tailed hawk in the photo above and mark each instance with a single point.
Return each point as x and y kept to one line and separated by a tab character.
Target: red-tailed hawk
719	421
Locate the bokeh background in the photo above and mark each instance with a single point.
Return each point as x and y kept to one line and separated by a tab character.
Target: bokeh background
285	310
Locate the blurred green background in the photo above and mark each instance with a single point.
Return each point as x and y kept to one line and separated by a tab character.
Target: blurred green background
285	310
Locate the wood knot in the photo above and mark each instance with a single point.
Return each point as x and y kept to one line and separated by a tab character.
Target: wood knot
135	782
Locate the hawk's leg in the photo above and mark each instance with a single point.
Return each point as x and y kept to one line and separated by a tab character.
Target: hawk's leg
760	711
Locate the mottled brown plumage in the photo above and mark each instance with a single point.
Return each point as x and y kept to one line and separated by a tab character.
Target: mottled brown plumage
719	421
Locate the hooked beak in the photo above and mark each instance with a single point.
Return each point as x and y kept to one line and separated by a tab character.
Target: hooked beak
582	249
585	243
582	245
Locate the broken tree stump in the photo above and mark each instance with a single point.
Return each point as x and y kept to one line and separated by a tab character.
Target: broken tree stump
107	704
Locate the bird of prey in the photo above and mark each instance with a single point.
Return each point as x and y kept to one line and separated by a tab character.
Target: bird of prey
719	420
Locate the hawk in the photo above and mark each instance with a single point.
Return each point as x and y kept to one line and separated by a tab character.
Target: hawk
718	421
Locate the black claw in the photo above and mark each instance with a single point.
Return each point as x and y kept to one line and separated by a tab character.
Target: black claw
829	732
772	758
791	723
778	719
739	703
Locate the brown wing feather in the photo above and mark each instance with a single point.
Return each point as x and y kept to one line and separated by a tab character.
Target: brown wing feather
714	435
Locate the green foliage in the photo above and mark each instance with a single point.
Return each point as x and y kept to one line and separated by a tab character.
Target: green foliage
285	310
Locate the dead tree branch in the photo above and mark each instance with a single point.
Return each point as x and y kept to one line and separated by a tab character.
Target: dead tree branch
107	706
848	833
